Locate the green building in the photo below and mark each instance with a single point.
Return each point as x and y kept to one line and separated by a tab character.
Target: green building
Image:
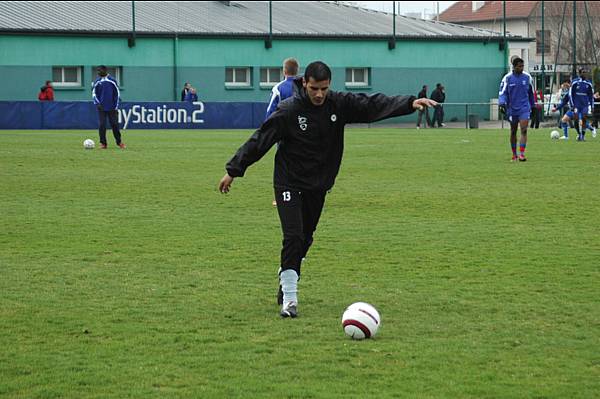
232	51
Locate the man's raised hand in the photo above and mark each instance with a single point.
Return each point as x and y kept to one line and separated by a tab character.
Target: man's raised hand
421	103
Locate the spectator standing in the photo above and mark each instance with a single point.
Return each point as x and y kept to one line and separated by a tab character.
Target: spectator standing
596	113
439	96
191	95
423	94
186	89
537	111
46	92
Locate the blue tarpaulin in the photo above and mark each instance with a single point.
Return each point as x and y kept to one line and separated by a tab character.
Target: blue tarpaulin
132	115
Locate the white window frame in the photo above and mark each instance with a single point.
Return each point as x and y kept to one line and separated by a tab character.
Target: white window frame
246	83
62	83
117	75
354	83
269	82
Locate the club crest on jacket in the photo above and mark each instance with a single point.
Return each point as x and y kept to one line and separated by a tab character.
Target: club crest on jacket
302	123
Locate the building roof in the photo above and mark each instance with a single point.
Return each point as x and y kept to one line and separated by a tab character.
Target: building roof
462	11
223	18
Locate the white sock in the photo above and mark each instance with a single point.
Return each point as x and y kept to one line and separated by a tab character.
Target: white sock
289	285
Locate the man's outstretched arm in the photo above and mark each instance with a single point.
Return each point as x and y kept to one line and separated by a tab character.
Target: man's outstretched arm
269	133
362	108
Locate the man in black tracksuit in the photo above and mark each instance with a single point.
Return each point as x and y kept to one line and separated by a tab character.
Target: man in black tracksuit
423	94
439	96
309	128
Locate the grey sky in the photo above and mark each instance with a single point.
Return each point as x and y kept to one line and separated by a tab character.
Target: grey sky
428	7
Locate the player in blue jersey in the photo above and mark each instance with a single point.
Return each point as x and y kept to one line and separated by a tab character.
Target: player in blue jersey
581	101
566	118
283	89
106	95
516	102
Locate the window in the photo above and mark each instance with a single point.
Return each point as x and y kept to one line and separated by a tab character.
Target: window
538	42
66	76
114	71
357	77
270	76
237	77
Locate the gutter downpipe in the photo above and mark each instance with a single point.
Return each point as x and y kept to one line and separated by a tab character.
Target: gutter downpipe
175	66
504	36
574	38
543	63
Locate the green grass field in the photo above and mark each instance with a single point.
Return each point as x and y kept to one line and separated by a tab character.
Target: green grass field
125	274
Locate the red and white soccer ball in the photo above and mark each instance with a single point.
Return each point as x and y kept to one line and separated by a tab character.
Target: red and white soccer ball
361	320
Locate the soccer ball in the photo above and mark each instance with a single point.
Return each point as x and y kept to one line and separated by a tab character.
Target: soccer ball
361	320
554	135
88	144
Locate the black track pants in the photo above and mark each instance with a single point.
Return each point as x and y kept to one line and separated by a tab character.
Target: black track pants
113	118
299	213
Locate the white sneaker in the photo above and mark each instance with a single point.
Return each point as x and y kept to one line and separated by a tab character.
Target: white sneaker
289	310
563	138
594	132
418	127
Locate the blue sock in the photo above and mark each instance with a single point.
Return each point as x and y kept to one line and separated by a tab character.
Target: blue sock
565	127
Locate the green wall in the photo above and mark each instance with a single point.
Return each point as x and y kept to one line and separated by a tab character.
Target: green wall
471	71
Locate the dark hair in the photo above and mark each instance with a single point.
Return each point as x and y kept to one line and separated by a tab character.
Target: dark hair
48	81
317	70
516	61
582	70
102	70
424	86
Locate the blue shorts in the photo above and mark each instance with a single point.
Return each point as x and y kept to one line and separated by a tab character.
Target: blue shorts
570	114
582	112
515	117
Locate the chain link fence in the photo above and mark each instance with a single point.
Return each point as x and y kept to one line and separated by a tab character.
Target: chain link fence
487	115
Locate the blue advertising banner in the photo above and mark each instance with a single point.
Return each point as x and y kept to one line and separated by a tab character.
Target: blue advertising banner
132	115
21	115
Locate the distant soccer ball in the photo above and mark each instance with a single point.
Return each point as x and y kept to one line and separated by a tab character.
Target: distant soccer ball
88	144
554	135
361	320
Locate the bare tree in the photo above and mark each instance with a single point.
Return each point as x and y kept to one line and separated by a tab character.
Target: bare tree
587	31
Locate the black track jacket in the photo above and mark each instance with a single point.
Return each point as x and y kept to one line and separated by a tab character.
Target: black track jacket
311	138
